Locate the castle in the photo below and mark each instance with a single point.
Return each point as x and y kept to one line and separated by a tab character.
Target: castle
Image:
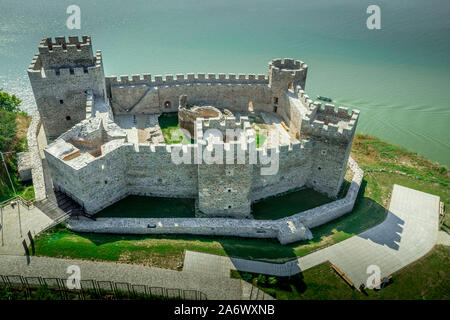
106	141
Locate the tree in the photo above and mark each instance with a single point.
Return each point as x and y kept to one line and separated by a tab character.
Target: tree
9	102
8	129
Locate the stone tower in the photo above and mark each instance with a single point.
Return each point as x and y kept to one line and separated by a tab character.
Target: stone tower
284	76
63	74
287	74
224	187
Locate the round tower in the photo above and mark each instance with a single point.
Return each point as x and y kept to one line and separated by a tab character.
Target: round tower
286	74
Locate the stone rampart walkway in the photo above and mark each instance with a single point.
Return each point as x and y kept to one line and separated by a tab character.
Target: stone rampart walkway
408	233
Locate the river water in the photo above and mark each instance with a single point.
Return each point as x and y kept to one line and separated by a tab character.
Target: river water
399	76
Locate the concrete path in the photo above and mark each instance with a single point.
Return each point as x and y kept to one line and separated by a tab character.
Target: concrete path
15	224
409	232
443	238
214	287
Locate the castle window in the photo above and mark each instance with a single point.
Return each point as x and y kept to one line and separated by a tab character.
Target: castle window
68	118
275	108
106	181
291	86
229	207
319	168
71	71
275	100
250	106
85	70
167	104
61	101
229	190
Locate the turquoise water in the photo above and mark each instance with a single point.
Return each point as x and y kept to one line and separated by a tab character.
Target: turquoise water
399	76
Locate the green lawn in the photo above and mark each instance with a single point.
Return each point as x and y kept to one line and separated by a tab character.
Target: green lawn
427	278
150	207
168	122
288	204
167	250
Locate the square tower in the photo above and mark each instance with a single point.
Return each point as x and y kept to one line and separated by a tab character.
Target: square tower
61	75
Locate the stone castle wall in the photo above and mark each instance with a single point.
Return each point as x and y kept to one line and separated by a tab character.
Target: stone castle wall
69	86
98	182
145	95
286	230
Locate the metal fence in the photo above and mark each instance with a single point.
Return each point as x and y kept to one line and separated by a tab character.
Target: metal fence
96	290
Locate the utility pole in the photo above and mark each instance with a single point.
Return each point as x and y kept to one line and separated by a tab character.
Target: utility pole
7	172
20	221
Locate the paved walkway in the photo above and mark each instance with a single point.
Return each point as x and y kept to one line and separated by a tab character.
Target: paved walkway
14	230
409	232
213	286
443	238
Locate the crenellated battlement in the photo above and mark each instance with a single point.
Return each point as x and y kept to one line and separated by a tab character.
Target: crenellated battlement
63	53
72	44
326	121
287	73
287	64
36	70
181	79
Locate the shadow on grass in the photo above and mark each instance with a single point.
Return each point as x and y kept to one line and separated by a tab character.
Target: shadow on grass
150	207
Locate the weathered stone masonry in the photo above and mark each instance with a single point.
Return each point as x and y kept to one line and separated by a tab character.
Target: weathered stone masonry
97	161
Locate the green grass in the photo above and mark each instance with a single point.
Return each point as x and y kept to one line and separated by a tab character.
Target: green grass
150	207
427	278
168	122
288	204
167	250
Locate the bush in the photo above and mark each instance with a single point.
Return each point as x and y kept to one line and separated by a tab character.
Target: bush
8	129
272	281
8	102
261	279
44	293
246	276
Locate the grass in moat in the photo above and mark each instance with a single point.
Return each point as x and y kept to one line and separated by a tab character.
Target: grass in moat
426	278
370	209
288	204
168	122
150	207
